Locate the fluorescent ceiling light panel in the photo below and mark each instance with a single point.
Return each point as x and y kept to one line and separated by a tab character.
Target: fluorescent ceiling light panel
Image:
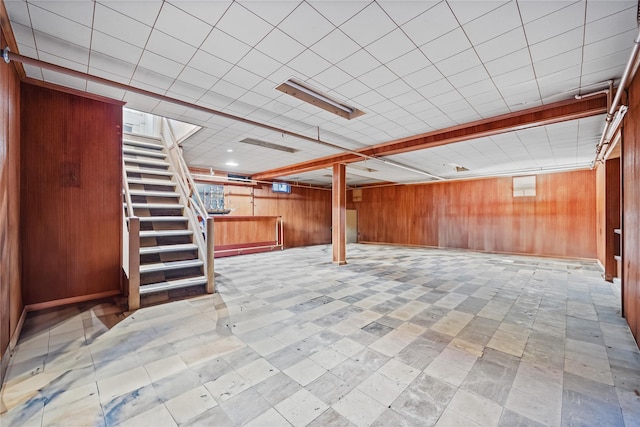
265	144
307	94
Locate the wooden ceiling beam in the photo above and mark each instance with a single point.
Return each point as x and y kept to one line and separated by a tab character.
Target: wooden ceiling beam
539	116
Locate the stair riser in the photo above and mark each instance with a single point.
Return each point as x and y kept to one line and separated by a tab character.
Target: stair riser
171	295
168	256
159	276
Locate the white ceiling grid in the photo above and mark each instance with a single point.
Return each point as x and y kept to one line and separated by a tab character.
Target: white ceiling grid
412	66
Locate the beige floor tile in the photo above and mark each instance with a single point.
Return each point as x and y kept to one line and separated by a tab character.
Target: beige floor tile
155	417
271	418
476	408
382	388
190	404
120	384
165	367
257	371
305	371
359	408
301	408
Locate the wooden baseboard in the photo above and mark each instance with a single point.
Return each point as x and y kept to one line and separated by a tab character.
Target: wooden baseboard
72	300
4	362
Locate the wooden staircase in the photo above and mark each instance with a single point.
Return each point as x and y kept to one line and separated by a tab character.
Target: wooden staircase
171	265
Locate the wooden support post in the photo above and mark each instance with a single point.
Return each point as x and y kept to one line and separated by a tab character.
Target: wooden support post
338	214
211	286
134	263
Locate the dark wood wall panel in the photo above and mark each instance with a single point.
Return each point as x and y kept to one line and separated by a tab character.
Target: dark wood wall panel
483	215
631	211
608	213
11	305
71	195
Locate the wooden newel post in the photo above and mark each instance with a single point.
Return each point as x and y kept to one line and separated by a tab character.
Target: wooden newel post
134	263
211	286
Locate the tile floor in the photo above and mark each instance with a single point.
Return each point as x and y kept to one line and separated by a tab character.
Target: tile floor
399	336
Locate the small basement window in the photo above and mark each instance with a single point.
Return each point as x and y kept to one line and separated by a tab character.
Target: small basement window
524	186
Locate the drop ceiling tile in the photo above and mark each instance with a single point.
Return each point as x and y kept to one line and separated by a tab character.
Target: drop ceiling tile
508	63
228	89
558	63
64	80
306	25
445	46
359	63
555	23
436	88
378	77
27	51
408	98
186	89
403	11
197	78
494	23
368	25
169	47
431	24
150	80
112	68
423	76
351	89
60	27
420	107
469	76
391	46
308	64
182	25
224	46
115	48
61	49
515	77
445	98
470	10
256	60
383	107
272	11
338	12
502	45
242	78
331	78
597	10
610	26
145	12
210	64
208	11
122	27
64	62
409	63
18	11
335	47
23	35
162	65
80	12
280	46
605	62
459	62
394	88
243	25
557	45
108	91
612	44
479	87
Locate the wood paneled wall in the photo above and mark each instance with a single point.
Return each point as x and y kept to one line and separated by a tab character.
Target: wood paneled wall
306	212
11	305
608	213
71	195
631	211
483	215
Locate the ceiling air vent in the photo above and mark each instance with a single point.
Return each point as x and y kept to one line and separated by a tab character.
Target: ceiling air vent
305	93
265	144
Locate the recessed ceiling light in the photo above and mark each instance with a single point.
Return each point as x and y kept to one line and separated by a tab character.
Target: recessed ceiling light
229	150
231	164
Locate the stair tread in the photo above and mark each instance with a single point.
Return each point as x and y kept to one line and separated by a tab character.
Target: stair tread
150	193
169	265
172	284
165	233
163	218
157	205
151	181
143	152
151	145
148	171
167	248
149	162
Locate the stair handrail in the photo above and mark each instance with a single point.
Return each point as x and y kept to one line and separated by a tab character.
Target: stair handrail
186	181
127	194
196	208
